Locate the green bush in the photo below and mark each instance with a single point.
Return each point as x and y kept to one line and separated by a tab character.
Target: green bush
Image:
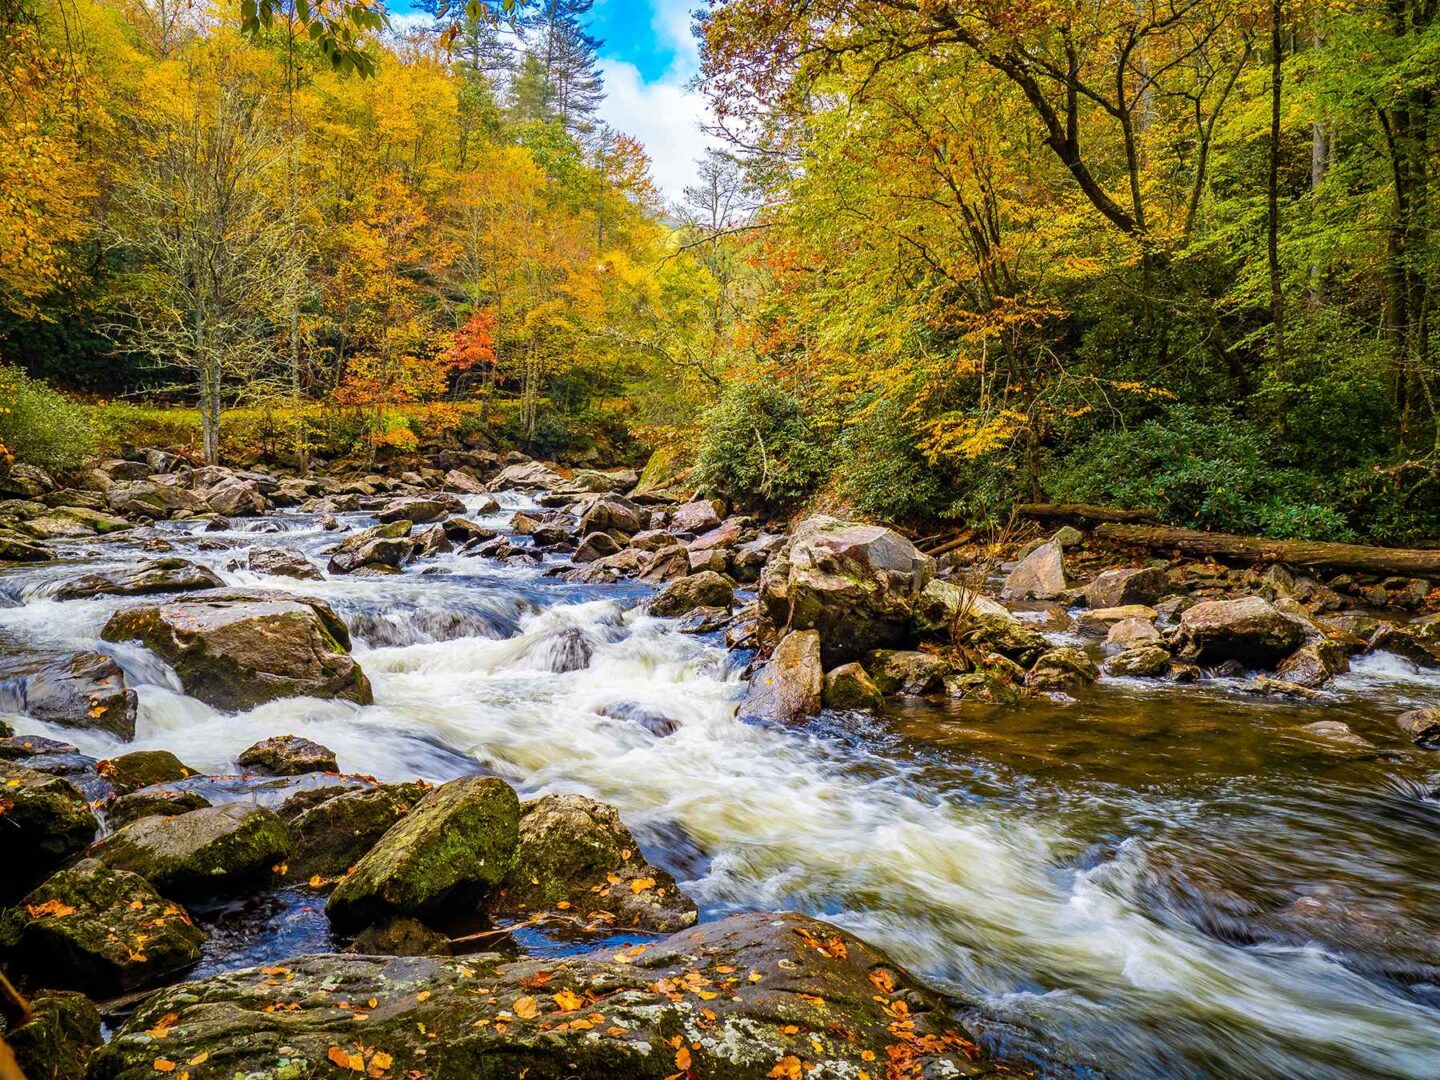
42	427
882	474
759	447
1209	470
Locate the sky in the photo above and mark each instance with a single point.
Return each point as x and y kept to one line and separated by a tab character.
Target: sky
648	56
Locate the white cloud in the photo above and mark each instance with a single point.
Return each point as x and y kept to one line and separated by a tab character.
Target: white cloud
663	115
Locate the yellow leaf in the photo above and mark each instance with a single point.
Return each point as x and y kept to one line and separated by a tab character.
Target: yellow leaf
787	1068
682	1058
640	884
200	1058
424	995
51	908
163	1065
525	1008
569	1001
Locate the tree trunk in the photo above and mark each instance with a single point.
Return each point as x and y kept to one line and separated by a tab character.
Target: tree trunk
1306	554
1084	513
210	410
1272	197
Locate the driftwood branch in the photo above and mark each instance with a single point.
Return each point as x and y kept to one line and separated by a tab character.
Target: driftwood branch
1305	554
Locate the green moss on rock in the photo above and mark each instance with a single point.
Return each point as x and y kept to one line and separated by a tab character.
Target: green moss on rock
56	1043
142	768
45	821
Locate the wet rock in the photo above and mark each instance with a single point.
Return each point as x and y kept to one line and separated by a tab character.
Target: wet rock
944	607
216	851
448	853
1121	588
166	802
416	511
614	513
16	548
464	531
1335	732
822	997
1040	575
1144	661
242	653
283	562
157	576
789	687
1097	622
287	755
1422	726
850	687
856	584
45	821
334	834
143	768
1131	634
152	499
57	1041
577	852
901	671
83	690
432	541
985	686
386	546
401	937
235	497
1062	669
100	931
1315	664
704	620
1007	636
699	516
596	545
667	564
656	723
463	482
1249	630
705	589
528	476
1273	687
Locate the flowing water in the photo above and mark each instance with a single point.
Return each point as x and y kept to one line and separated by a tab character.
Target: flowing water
1150	881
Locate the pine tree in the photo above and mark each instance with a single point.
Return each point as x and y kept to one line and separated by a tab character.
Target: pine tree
567	84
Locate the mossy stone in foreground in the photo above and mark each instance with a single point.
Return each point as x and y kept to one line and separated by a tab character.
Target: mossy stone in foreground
335	834
43	821
746	998
97	930
215	851
58	1040
449	852
143	768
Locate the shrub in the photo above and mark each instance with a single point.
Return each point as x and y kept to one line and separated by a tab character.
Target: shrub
880	471
759	447
40	426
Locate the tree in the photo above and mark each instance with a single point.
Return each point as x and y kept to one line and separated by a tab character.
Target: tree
561	72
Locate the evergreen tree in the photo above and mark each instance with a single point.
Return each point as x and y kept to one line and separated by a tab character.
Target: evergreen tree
567	84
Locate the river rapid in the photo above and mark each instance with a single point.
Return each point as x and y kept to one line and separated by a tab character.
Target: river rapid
1150	881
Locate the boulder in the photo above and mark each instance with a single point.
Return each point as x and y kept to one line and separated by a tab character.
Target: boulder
1422	726
1314	664
667	564
1249	630
614	513
156	576
150	498
1121	588
385	546
83	690
217	851
944	608
283	562
900	671
432	541
699	516
144	768
662	475
1067	536
1007	637
595	545
743	998
287	755
996	682
57	1041
463	482
416	511
705	589
528	476
167	802
576	852
1131	634
856	584
850	687
789	687
236	654
715	560
100	931
1143	661
1039	576
44	820
335	834
448	853
1062	669
236	498
16	548
1097	622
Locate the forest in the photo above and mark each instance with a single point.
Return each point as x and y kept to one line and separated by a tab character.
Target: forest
943	257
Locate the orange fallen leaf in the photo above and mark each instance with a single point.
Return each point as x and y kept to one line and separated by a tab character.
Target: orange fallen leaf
50	908
525	1008
787	1068
424	995
569	1001
682	1058
164	1065
200	1058
640	884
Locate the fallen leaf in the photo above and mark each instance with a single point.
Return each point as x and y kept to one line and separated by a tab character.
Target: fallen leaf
569	1001
50	908
682	1058
640	884
164	1065
424	995
200	1058
787	1068
525	1008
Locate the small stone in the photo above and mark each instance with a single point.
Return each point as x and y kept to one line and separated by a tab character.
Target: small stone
288	755
850	687
1422	726
141	768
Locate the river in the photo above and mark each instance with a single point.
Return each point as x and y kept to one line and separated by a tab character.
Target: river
1154	880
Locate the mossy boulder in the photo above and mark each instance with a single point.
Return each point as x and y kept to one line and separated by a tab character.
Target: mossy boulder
237	654
57	1041
1249	630
334	834
576	852
745	998
1062	669
43	821
167	802
706	589
849	687
83	690
158	576
1145	661
217	851
983	687
143	768
447	854
100	931
287	755
1005	635
386	546
903	671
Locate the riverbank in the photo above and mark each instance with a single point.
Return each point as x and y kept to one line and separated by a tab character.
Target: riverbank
493	634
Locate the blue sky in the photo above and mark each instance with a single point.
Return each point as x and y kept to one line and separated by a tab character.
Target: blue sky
648	56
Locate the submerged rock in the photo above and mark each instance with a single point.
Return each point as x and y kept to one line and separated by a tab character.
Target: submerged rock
790	684
448	853
100	931
236	654
288	755
44	821
744	998
576	852
157	576
217	851
83	690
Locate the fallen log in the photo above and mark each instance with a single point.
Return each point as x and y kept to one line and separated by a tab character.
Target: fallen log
1298	554
1082	512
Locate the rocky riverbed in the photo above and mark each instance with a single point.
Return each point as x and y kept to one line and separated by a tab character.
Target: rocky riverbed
501	769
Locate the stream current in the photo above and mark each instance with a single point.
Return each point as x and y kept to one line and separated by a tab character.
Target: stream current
1149	881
